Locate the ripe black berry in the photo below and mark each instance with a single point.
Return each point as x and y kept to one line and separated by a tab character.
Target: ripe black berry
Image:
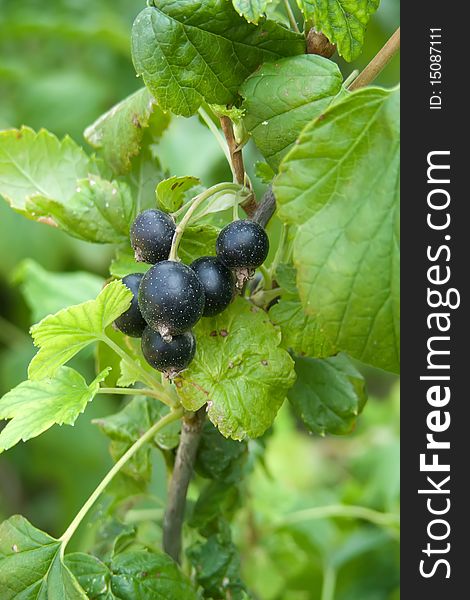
151	236
132	322
169	357
218	283
241	244
171	298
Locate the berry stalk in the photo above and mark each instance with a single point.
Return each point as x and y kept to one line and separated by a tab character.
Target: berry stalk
196	202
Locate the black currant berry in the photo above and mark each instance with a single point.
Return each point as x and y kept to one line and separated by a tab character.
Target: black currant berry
169	357
171	298
218	283
242	244
151	236
132	322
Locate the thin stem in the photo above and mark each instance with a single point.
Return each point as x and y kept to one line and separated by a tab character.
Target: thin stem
264	297
235	216
290	14
329	583
197	201
236	156
238	167
350	78
182	473
218	136
267	281
146	437
378	63
145	377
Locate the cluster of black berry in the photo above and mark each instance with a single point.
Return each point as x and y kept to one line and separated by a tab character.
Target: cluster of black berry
171	297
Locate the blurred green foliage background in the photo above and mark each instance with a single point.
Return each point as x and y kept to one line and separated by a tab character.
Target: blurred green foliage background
62	64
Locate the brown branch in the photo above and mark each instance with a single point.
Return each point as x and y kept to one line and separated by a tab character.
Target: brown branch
378	63
182	473
236	158
265	209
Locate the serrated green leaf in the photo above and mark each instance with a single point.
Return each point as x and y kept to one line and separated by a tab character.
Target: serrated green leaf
282	97
238	370
215	505
46	292
148	576
170	192
38	164
30	565
92	575
99	211
328	394
119	132
59	337
220	458
138	575
252	10
340	184
344	22
198	240
194	52
264	172
34	406
300	332
217	566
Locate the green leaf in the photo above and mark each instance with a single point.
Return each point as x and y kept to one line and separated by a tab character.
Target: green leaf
328	394
238	370
170	192
264	172
145	174
217	566
148	576
34	406
300	332
119	132
124	263
46	292
196	51
215	506
38	164
252	10
125	427
138	575
220	458
344	22
282	97
61	336
198	240
30	565
340	185
99	211
92	575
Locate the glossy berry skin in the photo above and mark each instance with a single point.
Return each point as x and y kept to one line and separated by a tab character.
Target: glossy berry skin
151	236
169	357
241	244
218	283
171	298
132	322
